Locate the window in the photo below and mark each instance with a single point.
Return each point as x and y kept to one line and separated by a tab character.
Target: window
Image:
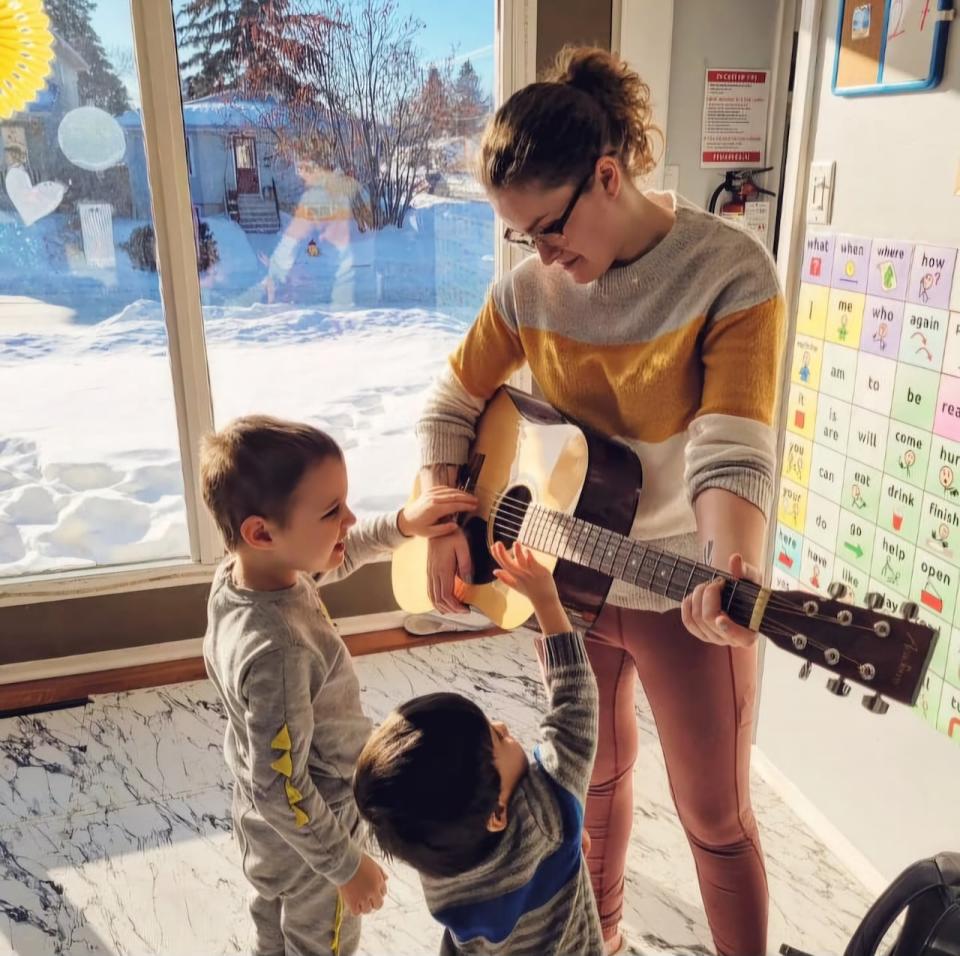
90	473
349	246
342	249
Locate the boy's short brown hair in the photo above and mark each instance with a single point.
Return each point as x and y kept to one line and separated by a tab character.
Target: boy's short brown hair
252	467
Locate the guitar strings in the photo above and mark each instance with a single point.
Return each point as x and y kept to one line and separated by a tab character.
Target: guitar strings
773	628
519	508
746	601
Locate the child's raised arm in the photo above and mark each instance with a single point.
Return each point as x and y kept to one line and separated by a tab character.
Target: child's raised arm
429	516
568	731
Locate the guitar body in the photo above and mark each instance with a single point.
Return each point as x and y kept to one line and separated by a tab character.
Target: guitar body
527	453
570	495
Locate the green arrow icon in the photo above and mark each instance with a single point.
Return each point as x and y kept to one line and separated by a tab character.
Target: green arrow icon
855	548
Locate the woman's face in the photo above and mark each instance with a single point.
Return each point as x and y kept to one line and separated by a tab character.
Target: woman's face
588	246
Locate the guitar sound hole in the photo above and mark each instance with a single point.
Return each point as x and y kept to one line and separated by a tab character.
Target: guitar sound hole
505	520
509	514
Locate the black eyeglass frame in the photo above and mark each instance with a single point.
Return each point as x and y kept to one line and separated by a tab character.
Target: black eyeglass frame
526	241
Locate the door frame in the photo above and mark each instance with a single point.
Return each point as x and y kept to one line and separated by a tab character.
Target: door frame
235	140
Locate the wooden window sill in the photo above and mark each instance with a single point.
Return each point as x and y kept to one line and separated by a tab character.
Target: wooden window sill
37	695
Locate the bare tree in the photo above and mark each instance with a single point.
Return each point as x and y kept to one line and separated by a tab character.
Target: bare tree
352	95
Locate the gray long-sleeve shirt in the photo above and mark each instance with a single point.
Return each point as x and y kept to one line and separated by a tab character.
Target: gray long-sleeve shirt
294	723
532	895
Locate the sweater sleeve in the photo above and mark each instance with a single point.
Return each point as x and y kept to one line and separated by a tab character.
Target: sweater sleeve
489	354
568	731
366	541
280	727
732	439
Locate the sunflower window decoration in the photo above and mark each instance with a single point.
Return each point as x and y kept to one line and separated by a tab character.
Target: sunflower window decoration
26	54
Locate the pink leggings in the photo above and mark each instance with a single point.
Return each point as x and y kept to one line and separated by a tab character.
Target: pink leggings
702	698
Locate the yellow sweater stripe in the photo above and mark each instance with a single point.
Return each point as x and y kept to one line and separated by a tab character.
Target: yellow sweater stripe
647	391
732	384
488	354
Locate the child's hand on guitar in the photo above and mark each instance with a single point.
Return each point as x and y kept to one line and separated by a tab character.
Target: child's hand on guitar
520	570
422	517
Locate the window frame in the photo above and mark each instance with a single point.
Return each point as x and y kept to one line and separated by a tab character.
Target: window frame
168	174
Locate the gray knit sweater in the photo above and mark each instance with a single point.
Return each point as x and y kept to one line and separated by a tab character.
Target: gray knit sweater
676	354
294	723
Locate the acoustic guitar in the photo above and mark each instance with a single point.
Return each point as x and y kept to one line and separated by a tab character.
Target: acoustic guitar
571	494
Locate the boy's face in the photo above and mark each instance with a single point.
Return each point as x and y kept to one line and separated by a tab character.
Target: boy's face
511	762
311	539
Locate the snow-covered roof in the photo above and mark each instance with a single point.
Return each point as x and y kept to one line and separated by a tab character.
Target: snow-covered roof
68	54
221	112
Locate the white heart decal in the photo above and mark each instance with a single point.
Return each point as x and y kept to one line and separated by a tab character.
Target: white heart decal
32	202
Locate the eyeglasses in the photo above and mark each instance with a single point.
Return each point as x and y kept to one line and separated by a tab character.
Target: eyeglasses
552	233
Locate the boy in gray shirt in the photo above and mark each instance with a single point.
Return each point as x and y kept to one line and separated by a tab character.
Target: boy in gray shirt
277	491
496	840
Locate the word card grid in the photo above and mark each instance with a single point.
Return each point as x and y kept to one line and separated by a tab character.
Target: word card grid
870	482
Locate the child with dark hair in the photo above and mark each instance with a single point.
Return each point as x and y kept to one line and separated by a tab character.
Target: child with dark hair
496	839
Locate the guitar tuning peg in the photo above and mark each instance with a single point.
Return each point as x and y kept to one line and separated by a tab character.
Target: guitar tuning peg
909	610
875	704
873	600
805	670
837	590
838	686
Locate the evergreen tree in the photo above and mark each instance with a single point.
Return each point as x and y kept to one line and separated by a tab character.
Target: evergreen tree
99	85
209	41
436	93
470	106
235	44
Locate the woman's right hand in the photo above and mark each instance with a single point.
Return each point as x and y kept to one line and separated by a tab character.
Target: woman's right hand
448	557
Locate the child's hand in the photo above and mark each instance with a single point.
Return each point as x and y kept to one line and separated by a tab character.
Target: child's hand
420	517
522	572
365	891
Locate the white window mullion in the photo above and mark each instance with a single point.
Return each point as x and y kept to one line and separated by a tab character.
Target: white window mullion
156	53
515	65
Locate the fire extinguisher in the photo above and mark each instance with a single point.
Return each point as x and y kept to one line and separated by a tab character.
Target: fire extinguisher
739	183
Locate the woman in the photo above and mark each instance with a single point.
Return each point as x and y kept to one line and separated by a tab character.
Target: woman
659	324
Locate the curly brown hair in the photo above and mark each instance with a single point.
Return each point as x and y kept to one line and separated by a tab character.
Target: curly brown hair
588	103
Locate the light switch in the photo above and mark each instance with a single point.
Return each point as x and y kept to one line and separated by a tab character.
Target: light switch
820	193
671	177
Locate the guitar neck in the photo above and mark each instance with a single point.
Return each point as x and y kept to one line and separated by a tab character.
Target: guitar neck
634	562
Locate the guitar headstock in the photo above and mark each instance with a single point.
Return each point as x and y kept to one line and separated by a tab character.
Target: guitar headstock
888	655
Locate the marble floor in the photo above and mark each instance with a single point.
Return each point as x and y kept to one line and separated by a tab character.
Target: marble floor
115	833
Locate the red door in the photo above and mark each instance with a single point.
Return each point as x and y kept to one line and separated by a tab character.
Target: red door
245	159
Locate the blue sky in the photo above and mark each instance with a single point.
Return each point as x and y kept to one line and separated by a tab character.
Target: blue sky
468	26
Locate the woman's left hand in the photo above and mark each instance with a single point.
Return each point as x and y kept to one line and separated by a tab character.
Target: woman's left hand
702	614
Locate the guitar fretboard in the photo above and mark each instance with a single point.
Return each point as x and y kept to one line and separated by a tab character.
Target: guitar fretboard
635	562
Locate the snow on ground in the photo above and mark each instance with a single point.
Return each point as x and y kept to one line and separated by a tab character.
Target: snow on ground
89	454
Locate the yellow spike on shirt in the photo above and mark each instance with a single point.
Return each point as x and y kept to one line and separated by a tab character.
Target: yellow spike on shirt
293	794
284	765
282	741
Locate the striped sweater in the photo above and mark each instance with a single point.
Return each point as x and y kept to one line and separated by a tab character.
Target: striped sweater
532	895
677	354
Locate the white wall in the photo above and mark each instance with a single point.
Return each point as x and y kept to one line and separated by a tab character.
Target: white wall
646	43
732	34
891	784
